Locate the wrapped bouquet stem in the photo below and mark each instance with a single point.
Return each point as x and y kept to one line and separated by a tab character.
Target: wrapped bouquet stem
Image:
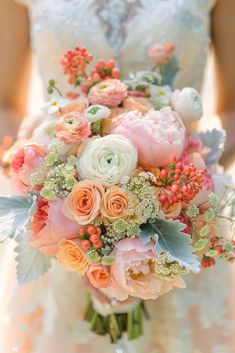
114	187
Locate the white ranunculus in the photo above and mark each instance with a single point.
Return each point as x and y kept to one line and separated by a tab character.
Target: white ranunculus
45	134
108	159
188	104
96	112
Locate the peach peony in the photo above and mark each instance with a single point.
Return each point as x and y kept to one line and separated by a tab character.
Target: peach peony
71	257
115	203
110	92
99	276
161	54
133	272
49	226
26	161
83	203
72	128
157	135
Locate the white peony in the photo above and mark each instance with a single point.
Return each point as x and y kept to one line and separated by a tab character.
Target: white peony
108	159
188	104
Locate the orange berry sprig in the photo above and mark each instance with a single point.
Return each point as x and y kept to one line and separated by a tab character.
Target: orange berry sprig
102	71
74	63
179	182
90	237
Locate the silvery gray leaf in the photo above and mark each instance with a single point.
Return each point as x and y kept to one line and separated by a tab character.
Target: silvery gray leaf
170	239
214	140
14	214
31	263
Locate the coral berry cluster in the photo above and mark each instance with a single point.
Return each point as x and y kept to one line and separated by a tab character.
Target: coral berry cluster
90	237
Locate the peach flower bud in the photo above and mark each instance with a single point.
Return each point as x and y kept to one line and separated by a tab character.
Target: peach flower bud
161	54
115	203
99	276
110	92
137	103
71	257
77	105
83	203
72	128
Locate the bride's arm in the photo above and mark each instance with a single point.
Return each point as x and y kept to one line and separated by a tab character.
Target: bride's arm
223	34
15	61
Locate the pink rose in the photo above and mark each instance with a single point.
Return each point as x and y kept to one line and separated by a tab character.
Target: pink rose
26	161
49	226
158	135
99	276
133	272
110	92
161	54
72	128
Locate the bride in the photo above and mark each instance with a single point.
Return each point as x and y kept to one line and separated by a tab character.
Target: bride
46	316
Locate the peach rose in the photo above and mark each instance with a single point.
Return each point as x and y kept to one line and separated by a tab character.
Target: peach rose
72	128
99	276
161	54
110	92
172	211
83	203
115	203
77	105
71	257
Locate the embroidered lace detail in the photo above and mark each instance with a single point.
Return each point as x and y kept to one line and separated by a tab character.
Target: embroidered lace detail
115	14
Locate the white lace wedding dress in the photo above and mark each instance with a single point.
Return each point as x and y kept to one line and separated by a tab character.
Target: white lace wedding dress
45	317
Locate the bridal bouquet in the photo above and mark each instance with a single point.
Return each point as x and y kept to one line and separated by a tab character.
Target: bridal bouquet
115	187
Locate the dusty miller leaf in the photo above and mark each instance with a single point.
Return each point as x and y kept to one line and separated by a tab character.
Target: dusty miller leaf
14	214
31	263
214	140
170	239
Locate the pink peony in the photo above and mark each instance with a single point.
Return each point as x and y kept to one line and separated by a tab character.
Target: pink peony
109	92
133	272
26	161
49	226
72	128
157	135
161	54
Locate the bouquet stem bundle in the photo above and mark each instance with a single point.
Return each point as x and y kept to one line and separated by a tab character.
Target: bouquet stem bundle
115	325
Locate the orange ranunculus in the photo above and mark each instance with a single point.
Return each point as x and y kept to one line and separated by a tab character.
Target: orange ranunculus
71	257
83	203
99	276
115	203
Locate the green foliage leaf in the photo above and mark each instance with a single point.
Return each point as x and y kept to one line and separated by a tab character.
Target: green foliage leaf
170	71
14	214
170	239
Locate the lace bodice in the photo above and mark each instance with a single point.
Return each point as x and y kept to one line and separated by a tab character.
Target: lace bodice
123	29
